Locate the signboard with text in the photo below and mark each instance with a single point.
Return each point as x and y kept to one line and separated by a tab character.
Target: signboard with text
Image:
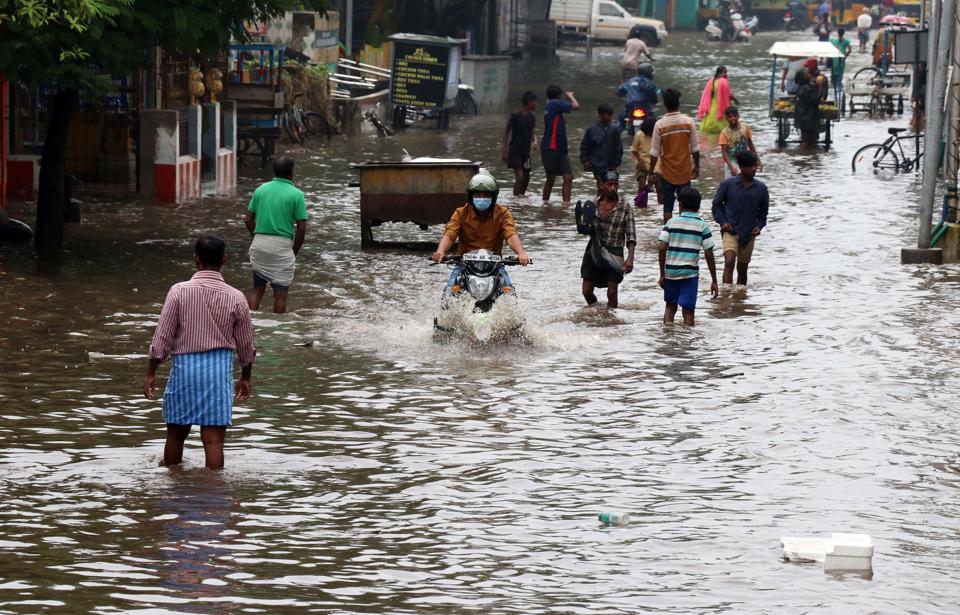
419	74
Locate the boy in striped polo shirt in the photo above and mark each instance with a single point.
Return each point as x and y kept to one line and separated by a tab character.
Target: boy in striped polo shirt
681	239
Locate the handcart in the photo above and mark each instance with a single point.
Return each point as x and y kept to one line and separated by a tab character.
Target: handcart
782	107
871	91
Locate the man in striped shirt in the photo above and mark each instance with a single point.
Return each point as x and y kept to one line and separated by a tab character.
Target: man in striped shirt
674	143
680	242
203	322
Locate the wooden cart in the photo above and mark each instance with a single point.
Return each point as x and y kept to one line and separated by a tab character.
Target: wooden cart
423	191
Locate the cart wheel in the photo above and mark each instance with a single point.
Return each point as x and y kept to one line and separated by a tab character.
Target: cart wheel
783	132
826	138
868	69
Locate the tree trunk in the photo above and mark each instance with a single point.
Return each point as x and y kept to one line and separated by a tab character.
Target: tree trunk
49	236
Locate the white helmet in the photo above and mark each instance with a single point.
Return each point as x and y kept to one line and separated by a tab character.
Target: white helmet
482	182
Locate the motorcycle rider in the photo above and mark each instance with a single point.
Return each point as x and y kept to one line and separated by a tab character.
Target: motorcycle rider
640	91
798	15
632	50
481	224
725	20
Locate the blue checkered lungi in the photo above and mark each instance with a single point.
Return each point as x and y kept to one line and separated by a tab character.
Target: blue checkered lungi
200	389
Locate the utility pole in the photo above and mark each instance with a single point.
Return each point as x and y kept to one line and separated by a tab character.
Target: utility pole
953	127
944	16
348	34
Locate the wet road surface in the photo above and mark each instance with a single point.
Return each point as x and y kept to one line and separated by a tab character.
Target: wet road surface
376	471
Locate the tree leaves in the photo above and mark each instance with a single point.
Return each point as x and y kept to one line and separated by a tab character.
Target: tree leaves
65	39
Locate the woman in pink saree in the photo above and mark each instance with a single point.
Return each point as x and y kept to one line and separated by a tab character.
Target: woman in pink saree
714	102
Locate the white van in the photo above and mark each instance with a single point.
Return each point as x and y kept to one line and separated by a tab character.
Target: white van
605	19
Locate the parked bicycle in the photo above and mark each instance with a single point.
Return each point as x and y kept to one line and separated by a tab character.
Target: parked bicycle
466	103
300	124
883	158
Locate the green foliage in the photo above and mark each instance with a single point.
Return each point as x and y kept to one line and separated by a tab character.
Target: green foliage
63	39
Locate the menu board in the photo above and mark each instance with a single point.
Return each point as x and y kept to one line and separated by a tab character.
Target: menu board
419	74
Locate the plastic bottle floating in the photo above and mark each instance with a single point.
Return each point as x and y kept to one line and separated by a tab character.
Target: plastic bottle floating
614	518
839	552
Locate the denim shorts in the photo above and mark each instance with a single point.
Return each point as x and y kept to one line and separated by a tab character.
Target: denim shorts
261	282
682	292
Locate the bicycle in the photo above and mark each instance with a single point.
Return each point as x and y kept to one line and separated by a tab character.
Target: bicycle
882	159
466	103
300	124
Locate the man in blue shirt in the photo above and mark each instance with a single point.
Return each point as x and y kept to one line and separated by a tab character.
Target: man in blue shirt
740	208
553	144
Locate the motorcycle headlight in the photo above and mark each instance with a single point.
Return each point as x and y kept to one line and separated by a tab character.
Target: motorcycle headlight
481	288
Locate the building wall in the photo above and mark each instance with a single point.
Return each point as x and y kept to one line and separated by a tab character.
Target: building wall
685	16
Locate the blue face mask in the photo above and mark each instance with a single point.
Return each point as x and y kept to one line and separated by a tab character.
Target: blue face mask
482	203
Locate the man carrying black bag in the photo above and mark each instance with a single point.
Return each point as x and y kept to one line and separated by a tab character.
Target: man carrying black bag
610	225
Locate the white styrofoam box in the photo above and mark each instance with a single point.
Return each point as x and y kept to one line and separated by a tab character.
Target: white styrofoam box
843	562
804	549
852	545
849	552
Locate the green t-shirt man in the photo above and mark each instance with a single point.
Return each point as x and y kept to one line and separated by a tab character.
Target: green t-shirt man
837	65
277	205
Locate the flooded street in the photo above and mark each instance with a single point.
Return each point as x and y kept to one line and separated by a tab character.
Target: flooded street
376	471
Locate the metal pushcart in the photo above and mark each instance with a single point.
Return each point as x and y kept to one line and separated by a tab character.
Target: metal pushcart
782	107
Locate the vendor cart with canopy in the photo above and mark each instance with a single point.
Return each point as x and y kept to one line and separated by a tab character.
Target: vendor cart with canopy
782	105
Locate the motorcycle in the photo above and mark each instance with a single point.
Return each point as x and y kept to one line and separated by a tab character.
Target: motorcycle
478	289
636	117
632	117
795	18
738	29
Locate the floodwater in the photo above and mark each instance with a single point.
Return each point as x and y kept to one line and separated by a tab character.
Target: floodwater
376	471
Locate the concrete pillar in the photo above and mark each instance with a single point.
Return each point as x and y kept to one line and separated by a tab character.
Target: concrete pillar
209	142
147	140
227	154
194	115
166	155
950	244
228	111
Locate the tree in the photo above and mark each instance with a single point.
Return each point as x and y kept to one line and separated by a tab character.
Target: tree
78	44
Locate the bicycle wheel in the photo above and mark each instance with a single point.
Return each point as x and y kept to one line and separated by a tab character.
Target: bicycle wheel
293	128
868	69
911	164
466	103
317	124
877	158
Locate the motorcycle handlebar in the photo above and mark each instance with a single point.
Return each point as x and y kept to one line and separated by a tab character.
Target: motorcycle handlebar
453	258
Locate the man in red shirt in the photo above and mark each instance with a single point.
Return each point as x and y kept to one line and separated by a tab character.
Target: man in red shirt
203	322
